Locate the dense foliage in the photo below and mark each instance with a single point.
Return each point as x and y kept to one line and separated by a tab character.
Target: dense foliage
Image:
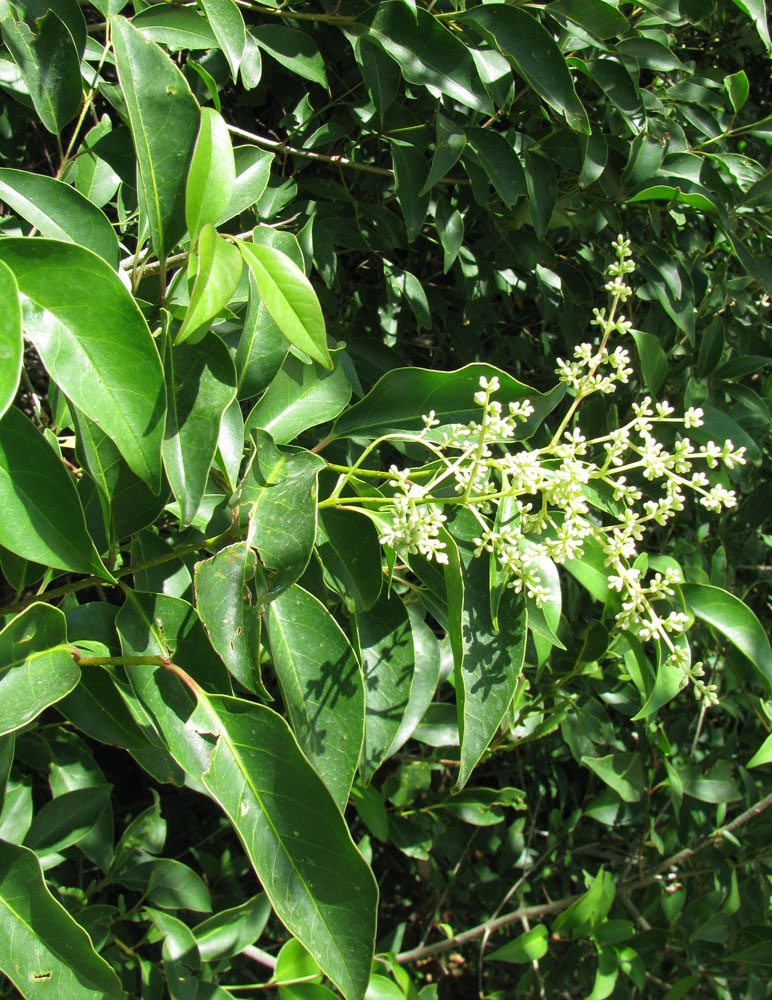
384	471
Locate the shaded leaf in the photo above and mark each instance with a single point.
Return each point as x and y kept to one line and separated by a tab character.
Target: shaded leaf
11	340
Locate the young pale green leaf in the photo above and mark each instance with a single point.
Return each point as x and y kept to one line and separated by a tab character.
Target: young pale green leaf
589	911
290	299
402	396
295	50
348	548
279	490
158	99
227	23
388	659
492	660
59	212
217	277
317	881
230	614
42	516
253	168
295	962
300	396
37	667
533	53
427	53
528	947
49	64
201	383
321	685
212	174
735	620
94	343
230	931
11	339
42	949
763	755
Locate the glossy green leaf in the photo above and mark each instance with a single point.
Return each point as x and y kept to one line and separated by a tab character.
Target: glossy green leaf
230	612
290	300
37	667
227	23
201	384
426	52
212	174
388	658
295	962
261	349
157	94
49	64
622	772
59	212
409	171
500	162
317	881
534	55
279	491
380	73
300	396
321	686
348	547
450	229
11	340
596	17
542	185
653	360
253	168
450	144
175	27
757	12
487	677
94	177
167	883
294	49
528	947
94	343
42	517
588	912
41	947
218	274
763	755
228	932
734	620
426	675
399	399
67	819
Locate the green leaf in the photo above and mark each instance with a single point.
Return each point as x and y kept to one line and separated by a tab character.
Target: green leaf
654	363
542	184
212	174
290	299
41	947
528	947
427	53
217	277
669	682
294	962
321	686
534	56
409	171
42	517
230	613
426	675
399	399
295	50
734	620
300	396
226	21
11	339
621	771
230	931
388	657
757	12
261	349
763	755
348	548
59	212
381	74
294	835
492	661
67	819
49	64
450	229
451	140
589	911
94	343
253	168
500	162
201	384
280	491
158	99
37	667
175	27
596	17
167	883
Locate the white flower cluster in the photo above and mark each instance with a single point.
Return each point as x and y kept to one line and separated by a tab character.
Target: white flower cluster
572	489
